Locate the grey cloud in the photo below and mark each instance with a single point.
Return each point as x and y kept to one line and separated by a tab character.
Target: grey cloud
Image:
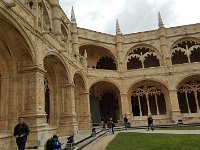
140	16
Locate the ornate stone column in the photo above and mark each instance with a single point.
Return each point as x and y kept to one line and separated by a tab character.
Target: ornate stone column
75	47
31	102
85	116
125	105
175	110
71	108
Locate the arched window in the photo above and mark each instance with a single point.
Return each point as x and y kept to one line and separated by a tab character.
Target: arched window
148	100
142	57
106	63
186	52
189	97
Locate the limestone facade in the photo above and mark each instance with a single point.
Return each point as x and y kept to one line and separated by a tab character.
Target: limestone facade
62	78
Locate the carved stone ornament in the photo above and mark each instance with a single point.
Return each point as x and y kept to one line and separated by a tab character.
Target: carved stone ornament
9	3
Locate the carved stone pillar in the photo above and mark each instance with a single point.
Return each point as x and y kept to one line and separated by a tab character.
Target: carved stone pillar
31	102
85	116
71	108
120	64
125	105
75	46
68	123
175	110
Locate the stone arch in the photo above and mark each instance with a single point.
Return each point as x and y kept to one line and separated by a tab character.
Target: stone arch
143	56
81	96
185	50
104	101
149	97
64	32
188	91
61	59
95	53
57	77
83	78
9	20
16	53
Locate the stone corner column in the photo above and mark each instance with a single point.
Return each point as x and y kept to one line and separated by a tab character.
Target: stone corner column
73	118
33	103
85	111
175	110
126	106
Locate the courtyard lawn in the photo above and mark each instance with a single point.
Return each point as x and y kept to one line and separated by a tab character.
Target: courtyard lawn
180	128
145	141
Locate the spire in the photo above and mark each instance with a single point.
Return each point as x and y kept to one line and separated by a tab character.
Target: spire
118	31
160	22
73	19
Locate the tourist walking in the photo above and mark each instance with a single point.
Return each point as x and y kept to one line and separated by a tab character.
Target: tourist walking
150	123
21	131
126	122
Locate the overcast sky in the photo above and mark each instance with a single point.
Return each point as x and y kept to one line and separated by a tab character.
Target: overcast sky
133	15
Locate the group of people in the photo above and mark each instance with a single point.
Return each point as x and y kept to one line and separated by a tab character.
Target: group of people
53	143
21	131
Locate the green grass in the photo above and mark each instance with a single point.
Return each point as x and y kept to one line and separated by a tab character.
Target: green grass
145	141
180	128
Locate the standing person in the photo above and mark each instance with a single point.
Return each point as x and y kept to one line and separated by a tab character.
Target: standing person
56	145
126	122
21	131
113	125
150	123
110	125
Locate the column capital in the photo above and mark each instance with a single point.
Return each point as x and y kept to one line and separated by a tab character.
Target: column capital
124	93
34	68
85	93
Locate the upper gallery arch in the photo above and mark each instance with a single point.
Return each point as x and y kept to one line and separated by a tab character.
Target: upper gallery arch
185	50
98	57
143	56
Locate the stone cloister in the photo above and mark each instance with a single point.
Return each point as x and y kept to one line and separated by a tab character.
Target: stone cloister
63	78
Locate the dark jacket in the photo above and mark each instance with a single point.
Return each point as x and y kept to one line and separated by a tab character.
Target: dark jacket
150	120
125	120
49	144
23	131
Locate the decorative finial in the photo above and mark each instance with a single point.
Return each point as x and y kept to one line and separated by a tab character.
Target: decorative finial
118	31
160	22
73	19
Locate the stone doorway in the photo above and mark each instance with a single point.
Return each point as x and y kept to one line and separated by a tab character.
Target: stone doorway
109	107
104	102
